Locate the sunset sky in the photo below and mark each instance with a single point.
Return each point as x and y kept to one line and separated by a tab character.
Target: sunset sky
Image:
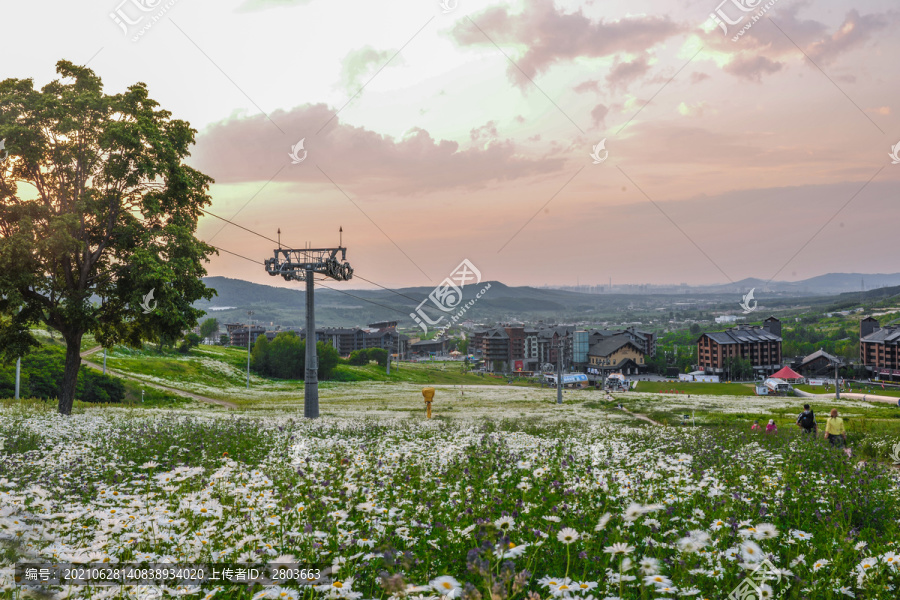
435	136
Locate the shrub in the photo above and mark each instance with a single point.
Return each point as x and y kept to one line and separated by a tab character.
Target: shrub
285	357
42	375
379	355
359	358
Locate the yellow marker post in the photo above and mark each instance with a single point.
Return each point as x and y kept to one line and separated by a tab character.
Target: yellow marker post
429	397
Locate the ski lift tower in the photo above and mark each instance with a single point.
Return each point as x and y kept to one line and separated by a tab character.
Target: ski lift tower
304	265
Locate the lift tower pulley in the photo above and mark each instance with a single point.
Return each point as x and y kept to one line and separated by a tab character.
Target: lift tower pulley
303	265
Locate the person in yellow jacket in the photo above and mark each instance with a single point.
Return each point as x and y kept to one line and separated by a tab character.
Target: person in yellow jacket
834	430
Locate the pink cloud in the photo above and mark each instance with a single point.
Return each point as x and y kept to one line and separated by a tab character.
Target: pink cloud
624	73
697	77
488	131
591	85
252	149
854	32
553	36
599	114
752	67
774	42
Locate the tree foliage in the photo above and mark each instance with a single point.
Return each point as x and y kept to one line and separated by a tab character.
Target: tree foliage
803	341
364	356
208	327
738	369
285	357
191	340
42	375
97	218
379	355
359	357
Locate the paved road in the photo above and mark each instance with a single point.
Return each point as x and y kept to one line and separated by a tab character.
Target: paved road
164	388
851	396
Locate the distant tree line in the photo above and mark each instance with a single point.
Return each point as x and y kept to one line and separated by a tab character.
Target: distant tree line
42	378
803	341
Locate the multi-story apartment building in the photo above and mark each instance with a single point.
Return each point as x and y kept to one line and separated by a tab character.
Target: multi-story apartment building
615	354
645	340
348	339
495	348
344	339
516	344
238	335
760	345
530	348
879	348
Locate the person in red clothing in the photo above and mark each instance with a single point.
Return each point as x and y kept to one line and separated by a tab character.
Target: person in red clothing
771	427
755	426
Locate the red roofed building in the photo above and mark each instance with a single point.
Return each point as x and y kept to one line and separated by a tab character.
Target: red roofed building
787	374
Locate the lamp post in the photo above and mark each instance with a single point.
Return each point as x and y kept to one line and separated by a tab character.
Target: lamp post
249	330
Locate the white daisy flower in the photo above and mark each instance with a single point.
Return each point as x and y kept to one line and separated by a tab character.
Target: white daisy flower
446	586
567	536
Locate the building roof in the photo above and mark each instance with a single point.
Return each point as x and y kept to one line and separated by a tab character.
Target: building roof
644	334
338	330
817	355
253	328
890	335
787	373
610	345
428	342
742	335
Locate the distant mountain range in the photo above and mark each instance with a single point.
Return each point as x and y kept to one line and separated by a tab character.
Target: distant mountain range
341	306
831	283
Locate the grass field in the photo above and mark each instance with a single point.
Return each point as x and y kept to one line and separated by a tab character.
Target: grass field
689	387
220	372
863	389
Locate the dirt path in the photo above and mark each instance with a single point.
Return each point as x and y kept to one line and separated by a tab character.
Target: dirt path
636	415
164	388
641	417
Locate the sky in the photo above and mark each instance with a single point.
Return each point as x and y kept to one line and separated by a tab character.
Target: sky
548	143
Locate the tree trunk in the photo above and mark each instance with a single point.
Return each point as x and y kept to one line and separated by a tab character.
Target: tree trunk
70	374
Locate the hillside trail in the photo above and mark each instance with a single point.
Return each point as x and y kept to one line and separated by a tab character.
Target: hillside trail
164	388
641	417
636	415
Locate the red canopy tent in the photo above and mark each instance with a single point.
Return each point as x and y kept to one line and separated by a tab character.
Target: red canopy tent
787	373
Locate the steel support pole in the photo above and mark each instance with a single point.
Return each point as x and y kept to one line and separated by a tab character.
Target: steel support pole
559	375
311	382
837	385
18	375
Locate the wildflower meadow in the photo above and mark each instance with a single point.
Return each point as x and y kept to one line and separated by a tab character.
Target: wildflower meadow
480	510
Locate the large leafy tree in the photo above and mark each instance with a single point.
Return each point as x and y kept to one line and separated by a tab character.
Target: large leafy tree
97	209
